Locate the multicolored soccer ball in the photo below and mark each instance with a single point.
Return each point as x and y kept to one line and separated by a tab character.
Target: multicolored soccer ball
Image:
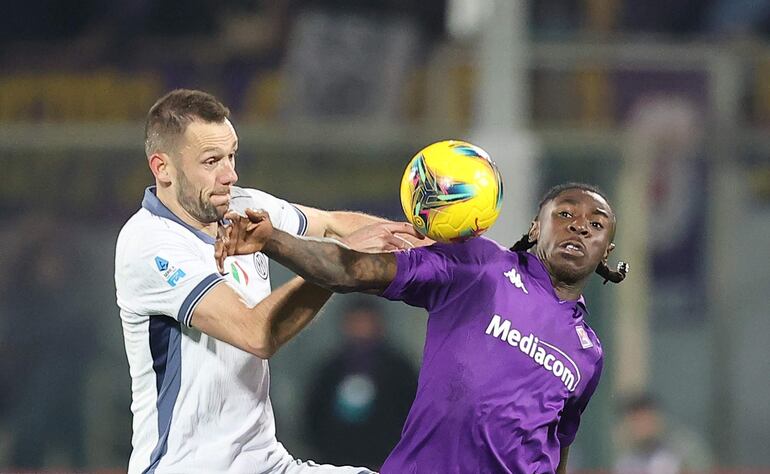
451	191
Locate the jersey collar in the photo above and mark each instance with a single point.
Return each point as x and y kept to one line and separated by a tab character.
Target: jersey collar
153	204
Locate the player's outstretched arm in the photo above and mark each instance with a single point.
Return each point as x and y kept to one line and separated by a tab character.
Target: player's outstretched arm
325	262
331	265
346	225
263	329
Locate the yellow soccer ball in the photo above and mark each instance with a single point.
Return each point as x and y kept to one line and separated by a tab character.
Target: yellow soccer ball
451	191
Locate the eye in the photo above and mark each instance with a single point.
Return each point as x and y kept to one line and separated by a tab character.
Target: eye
210	161
597	225
565	214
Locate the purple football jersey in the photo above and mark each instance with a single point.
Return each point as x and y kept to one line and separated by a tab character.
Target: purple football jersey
507	367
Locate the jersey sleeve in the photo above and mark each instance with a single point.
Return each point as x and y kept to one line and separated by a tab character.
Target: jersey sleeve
163	275
283	214
570	419
425	277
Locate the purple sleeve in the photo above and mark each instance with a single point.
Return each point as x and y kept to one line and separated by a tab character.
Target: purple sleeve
570	419
424	277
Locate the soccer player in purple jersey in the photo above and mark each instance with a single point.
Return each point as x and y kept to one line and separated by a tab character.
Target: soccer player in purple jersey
509	362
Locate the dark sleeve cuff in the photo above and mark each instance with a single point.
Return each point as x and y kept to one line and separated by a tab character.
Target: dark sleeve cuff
188	306
302	220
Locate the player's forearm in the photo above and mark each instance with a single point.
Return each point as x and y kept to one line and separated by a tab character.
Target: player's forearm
343	223
331	265
298	303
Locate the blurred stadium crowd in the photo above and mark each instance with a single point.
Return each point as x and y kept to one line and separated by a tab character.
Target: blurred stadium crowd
346	91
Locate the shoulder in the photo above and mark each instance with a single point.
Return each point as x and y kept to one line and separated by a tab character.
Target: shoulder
133	231
251	193
476	250
285	215
443	262
471	256
145	233
144	228
243	198
594	338
528	264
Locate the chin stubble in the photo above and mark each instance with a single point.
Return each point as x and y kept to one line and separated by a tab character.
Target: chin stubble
198	207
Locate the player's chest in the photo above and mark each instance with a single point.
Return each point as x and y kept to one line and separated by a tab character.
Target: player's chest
249	275
530	337
556	354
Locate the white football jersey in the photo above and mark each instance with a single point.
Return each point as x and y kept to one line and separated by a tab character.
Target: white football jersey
199	404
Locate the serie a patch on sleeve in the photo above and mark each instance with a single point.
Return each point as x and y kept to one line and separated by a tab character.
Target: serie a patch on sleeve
169	272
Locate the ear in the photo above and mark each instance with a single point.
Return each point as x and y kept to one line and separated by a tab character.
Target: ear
607	252
160	165
534	231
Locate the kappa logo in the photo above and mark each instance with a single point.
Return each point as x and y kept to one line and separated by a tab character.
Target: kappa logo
169	272
515	279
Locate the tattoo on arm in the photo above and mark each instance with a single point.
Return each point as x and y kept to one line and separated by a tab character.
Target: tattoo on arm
329	264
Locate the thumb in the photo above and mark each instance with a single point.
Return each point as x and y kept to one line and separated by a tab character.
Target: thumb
256	215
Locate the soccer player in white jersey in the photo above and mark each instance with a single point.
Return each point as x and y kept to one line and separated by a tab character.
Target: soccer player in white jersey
197	340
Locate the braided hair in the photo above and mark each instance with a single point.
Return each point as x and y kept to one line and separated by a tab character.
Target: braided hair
524	244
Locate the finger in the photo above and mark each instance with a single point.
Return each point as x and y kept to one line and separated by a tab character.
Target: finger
232	215
256	215
219	248
402	228
234	235
403	243
378	247
252	223
392	242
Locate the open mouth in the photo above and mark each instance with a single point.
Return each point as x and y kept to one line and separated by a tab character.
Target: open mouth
573	247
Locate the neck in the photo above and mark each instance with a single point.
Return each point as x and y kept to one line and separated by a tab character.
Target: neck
168	198
567	291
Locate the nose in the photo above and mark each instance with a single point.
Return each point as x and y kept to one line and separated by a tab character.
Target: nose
579	226
228	176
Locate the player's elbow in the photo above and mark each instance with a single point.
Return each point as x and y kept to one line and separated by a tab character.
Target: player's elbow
344	278
264	353
347	271
262	346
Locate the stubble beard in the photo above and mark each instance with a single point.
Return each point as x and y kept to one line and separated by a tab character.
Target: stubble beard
195	205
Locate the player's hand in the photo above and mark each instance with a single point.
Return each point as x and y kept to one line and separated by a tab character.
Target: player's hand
383	237
242	235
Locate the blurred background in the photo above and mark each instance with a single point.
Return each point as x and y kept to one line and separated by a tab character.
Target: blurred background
664	104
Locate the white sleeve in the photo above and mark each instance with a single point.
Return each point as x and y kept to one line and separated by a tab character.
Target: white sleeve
284	215
163	275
